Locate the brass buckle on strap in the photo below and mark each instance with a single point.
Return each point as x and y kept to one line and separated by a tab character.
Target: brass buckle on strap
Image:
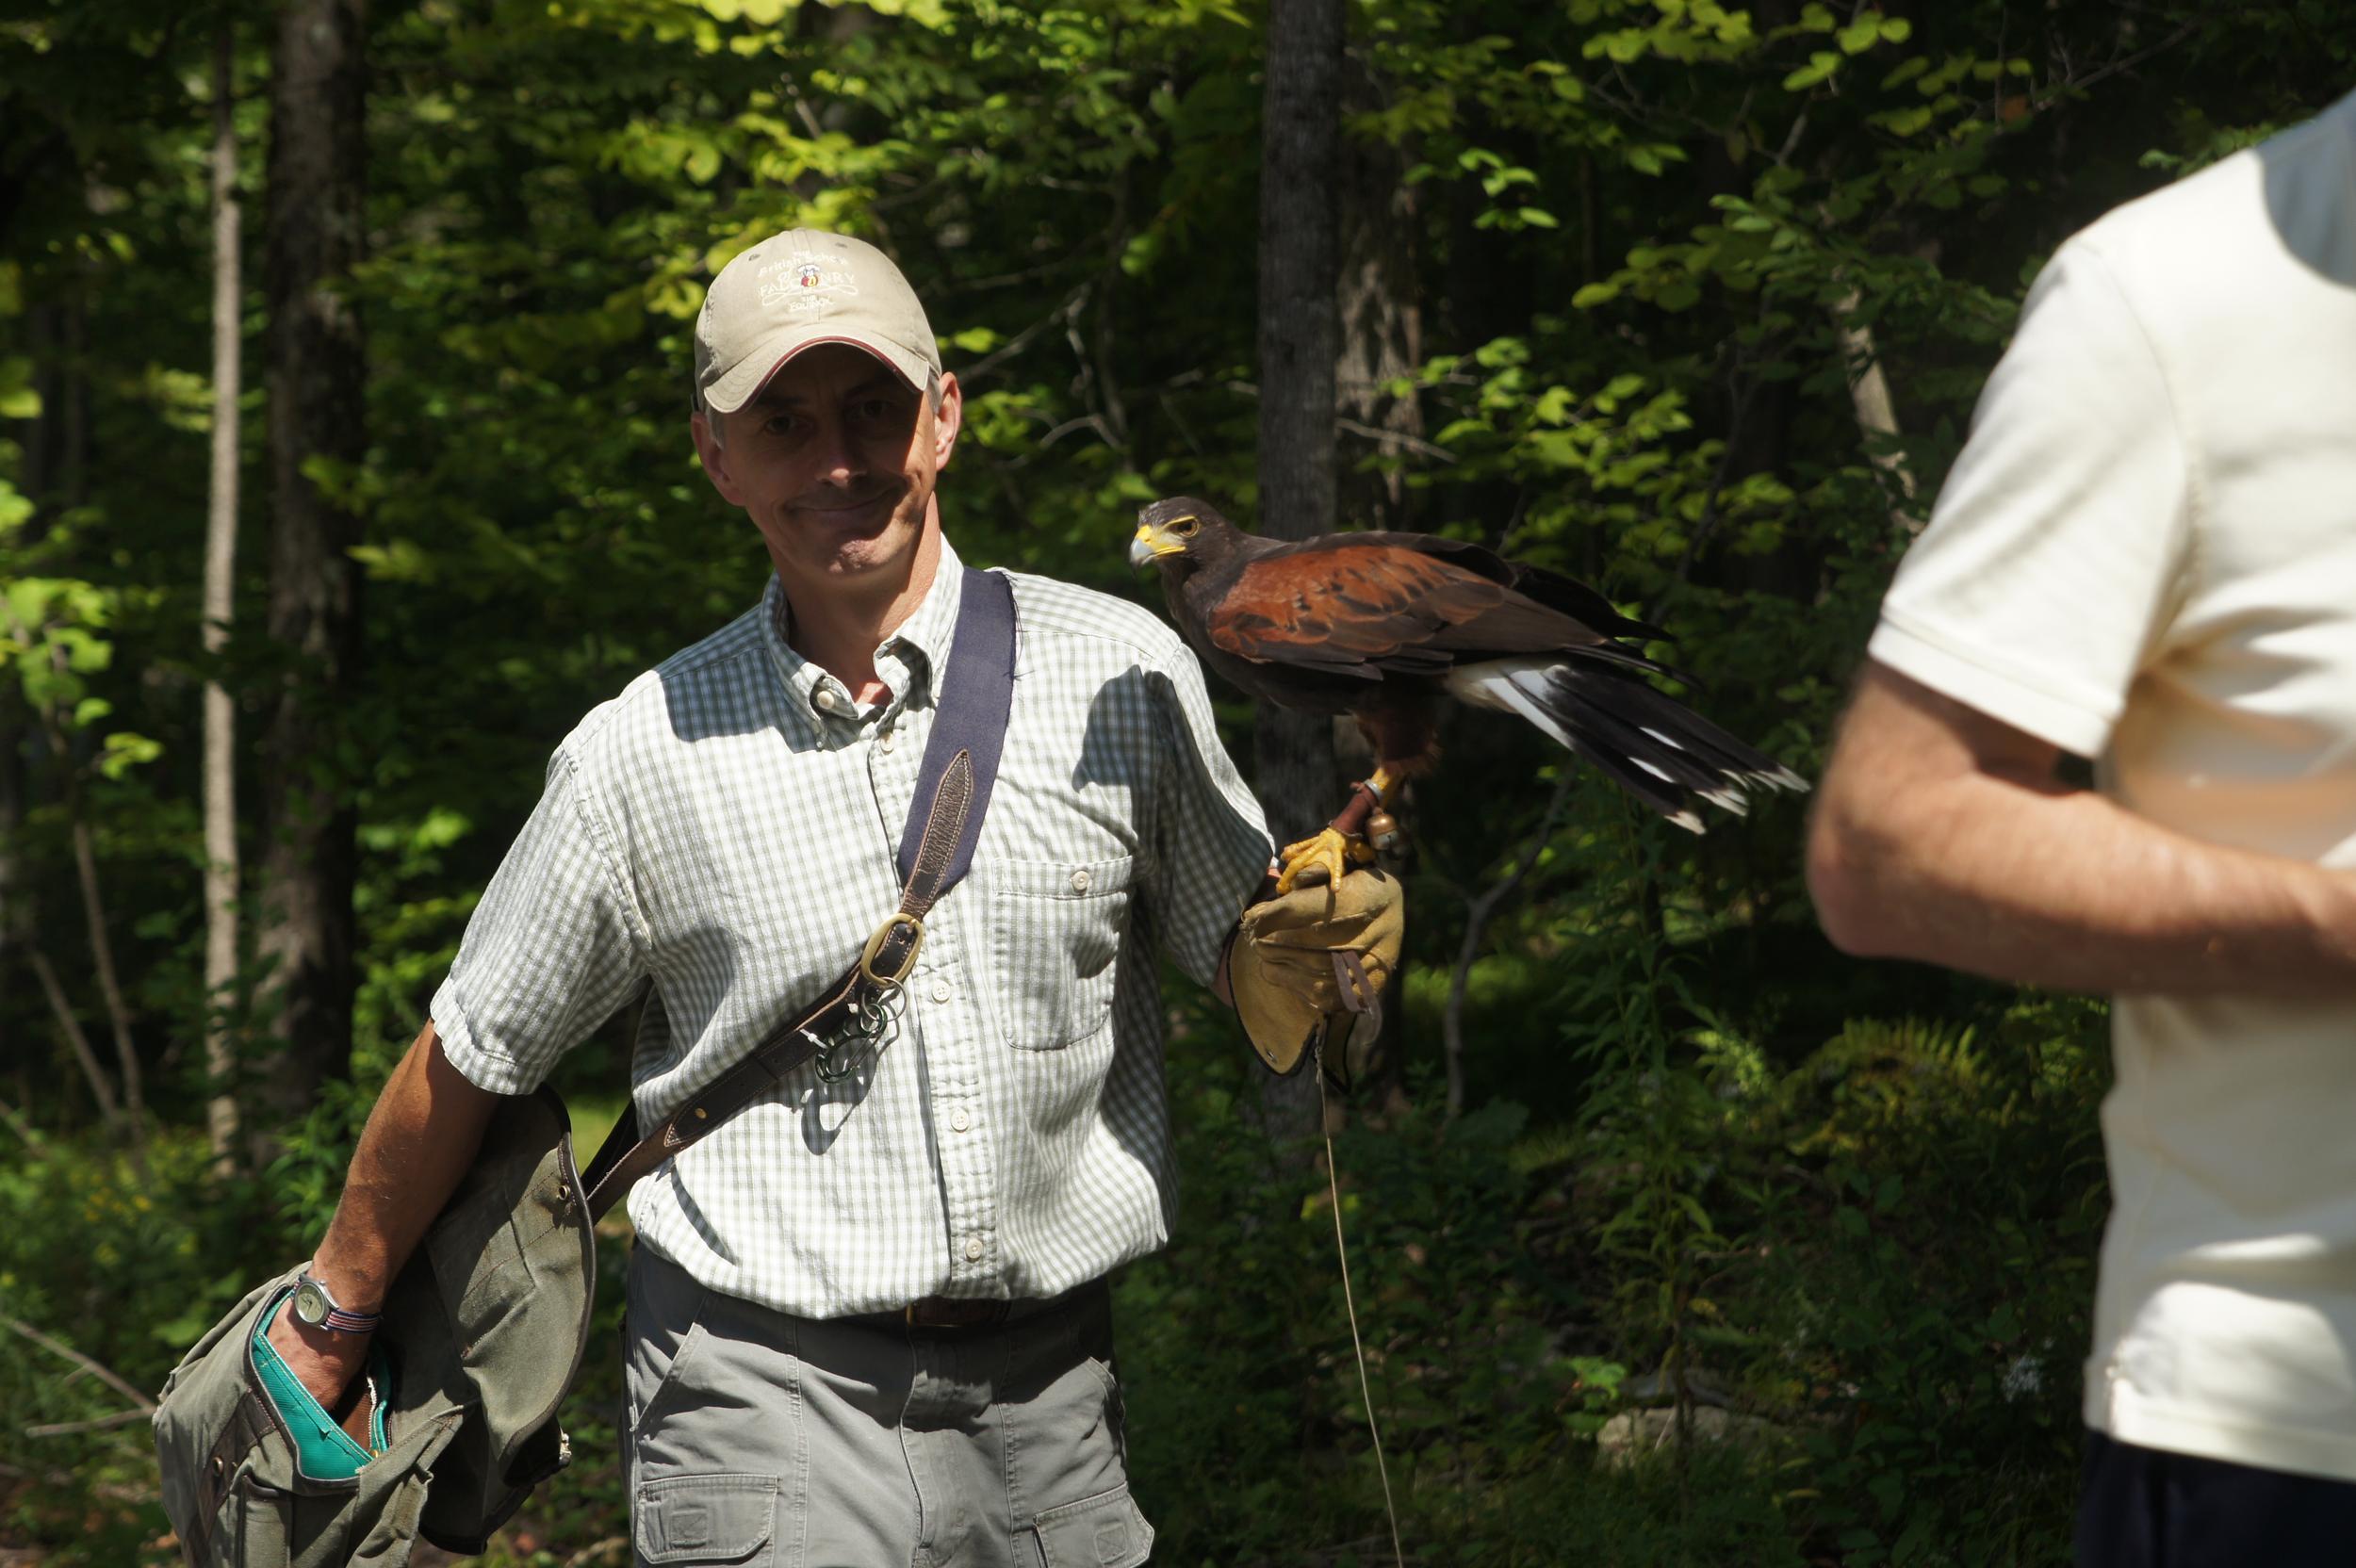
875	945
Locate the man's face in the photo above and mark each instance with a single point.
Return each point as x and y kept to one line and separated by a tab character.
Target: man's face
835	463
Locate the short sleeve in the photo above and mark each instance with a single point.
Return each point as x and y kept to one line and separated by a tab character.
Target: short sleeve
1211	844
551	952
2053	558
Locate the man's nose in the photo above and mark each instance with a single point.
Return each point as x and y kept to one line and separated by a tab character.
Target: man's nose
839	460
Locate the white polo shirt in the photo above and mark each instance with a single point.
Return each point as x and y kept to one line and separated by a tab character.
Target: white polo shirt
2147	555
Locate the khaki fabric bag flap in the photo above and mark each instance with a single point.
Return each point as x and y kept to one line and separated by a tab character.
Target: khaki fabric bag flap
485	1329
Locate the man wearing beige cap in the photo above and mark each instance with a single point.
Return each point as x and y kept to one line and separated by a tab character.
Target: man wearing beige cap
867	1318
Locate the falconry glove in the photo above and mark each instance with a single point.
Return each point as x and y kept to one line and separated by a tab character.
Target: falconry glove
1308	963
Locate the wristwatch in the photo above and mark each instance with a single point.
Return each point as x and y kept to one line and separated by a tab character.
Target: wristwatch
316	1305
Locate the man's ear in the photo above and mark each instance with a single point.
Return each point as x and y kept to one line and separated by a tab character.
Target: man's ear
715	459
948	419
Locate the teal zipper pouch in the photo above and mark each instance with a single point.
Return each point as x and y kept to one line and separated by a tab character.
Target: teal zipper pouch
323	1450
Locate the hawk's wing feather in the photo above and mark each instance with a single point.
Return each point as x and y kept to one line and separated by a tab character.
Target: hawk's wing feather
1342	609
1550	588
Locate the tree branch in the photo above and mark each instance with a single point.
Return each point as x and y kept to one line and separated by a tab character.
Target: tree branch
1021	340
22	1128
101	1089
96	1424
101	1374
1395	438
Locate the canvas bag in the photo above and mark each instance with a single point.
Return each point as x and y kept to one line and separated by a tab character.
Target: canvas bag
484	1329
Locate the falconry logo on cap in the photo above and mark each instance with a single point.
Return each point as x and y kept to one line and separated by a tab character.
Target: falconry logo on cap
804	284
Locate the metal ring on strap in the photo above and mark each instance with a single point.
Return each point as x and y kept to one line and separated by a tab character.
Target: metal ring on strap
882	939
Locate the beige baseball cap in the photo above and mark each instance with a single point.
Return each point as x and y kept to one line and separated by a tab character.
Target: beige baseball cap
796	289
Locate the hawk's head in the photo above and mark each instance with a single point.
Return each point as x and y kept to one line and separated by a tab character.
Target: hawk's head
1176	528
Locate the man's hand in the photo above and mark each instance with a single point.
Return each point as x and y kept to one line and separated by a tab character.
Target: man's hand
325	1361
1307	961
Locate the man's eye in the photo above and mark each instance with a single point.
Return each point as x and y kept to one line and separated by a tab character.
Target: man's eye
872	410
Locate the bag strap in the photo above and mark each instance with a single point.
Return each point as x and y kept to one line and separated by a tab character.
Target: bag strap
972	701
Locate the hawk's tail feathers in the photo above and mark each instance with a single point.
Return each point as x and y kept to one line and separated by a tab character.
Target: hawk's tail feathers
1653	747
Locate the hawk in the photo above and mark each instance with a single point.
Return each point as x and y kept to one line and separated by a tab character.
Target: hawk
1388	626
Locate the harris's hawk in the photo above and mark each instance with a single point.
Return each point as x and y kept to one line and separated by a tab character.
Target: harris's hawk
1387	626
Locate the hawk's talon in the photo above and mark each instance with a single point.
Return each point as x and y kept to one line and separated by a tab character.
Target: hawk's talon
1329	852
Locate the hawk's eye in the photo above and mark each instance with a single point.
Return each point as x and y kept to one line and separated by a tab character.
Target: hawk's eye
1185	528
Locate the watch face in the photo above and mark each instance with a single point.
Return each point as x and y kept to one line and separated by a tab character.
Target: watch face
310	1303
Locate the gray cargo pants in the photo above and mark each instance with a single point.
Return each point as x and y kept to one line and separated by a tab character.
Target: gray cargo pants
763	1441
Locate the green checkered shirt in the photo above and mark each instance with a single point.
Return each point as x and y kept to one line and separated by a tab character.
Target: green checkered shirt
720	837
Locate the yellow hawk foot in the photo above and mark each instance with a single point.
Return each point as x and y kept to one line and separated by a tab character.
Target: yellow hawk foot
1329	854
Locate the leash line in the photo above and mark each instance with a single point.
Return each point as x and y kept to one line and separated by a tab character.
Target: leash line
1350	1304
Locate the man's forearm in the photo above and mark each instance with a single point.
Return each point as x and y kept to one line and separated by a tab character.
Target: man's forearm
422	1135
2016	876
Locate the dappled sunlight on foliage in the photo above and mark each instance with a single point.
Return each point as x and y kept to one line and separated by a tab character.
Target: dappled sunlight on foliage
1833	1221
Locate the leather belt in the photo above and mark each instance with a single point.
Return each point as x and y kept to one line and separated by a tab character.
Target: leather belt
954	1312
960	1312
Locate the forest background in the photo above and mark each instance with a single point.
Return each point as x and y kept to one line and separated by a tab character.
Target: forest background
1678	1236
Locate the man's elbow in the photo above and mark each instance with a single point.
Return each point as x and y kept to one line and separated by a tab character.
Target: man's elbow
1845	864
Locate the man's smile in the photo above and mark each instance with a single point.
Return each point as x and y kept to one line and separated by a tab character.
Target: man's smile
845	512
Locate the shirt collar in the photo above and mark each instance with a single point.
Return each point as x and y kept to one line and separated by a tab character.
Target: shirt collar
926	634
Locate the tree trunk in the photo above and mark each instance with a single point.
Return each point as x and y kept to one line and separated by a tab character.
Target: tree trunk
1380	323
1380	326
316	371
220	557
1876	414
1300	339
15	886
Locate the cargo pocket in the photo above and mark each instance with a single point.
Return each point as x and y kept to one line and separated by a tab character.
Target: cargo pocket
1055	929
659	1346
716	1519
1102	1531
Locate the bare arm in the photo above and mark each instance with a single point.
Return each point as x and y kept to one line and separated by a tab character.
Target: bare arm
1941	834
419	1139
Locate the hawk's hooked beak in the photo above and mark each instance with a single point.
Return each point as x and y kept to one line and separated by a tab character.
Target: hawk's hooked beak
1150	543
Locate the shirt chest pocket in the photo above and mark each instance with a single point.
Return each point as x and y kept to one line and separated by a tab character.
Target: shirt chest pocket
1054	934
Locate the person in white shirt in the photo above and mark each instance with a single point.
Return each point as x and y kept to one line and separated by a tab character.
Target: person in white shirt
2146	556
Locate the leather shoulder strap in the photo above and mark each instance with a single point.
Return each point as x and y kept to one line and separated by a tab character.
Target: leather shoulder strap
973	699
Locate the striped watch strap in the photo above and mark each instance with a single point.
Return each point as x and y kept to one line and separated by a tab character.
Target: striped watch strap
315	1304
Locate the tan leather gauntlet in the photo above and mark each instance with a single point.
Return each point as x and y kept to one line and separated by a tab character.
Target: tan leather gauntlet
1308	963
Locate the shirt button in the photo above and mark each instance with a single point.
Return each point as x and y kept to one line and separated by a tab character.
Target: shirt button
941	991
824	699
973	1248
958	1120
885	740
1079	881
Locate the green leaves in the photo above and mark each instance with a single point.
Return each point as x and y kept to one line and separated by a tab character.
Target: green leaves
18	401
1820	67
